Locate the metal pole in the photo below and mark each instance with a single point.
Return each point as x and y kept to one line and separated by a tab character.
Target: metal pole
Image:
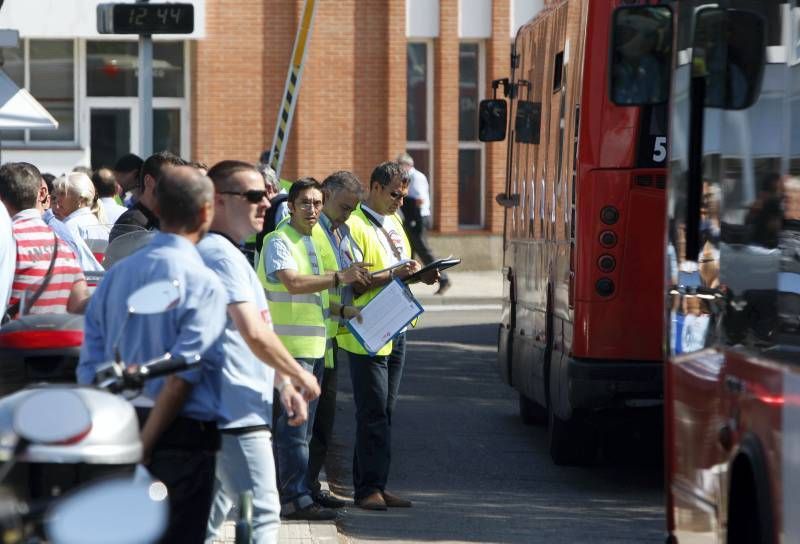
145	93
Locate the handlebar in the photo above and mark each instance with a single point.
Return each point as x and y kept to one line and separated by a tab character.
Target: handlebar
116	377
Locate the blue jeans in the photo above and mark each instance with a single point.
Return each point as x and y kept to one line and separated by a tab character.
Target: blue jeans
376	383
291	450
245	463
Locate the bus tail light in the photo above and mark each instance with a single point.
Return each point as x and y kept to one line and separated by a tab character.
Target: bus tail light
607	263
609	215
608	239
604	287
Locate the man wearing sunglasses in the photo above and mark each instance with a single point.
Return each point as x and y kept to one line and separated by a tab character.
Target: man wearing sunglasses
247	348
292	271
378	231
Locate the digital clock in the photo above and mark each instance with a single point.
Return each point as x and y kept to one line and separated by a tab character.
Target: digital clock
145	18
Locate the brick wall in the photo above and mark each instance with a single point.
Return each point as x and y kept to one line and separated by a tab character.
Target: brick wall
352	103
445	118
351	111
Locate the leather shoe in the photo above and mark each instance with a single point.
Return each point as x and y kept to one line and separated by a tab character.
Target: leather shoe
393	501
312	512
444	285
328	500
373	501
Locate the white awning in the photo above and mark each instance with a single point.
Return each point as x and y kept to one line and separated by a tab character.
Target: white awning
19	109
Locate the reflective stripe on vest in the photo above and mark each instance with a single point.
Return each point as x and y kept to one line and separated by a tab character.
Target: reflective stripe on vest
299	320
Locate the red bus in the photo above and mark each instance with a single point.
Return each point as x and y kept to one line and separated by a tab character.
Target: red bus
732	310
580	336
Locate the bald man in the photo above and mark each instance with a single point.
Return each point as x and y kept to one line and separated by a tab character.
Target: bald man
178	413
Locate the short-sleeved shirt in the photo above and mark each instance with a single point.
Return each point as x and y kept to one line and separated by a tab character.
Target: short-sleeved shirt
419	189
278	256
35	242
188	329
8	258
246	382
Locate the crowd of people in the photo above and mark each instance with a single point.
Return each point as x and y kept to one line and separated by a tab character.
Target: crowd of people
257	327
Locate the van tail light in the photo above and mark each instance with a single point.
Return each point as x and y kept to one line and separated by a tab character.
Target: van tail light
41	339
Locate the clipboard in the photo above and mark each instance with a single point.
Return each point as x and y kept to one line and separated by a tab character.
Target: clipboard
439	264
392	309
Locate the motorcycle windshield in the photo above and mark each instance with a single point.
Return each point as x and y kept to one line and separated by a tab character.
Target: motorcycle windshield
124	245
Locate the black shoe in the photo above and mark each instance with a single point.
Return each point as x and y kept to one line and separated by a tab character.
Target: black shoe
444	285
313	512
328	500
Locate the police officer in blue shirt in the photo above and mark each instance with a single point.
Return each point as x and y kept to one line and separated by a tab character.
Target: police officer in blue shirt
247	346
179	436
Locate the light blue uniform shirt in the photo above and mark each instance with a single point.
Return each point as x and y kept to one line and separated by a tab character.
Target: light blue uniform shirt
246	382
188	329
86	259
347	251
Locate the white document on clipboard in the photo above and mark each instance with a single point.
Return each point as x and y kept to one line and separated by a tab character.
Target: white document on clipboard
384	316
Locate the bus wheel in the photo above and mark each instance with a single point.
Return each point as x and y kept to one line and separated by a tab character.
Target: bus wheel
530	412
570	442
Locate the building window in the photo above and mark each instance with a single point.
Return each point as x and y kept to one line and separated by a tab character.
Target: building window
470	150
419	107
112	69
47	69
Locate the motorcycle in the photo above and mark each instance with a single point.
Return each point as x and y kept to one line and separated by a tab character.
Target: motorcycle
118	509
54	438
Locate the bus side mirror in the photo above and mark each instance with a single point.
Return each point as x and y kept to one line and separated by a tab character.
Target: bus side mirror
729	53
492	120
528	122
641	55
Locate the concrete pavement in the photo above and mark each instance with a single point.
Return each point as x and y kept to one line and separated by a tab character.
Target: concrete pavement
467	288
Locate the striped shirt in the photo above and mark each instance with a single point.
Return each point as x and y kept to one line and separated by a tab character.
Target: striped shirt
35	242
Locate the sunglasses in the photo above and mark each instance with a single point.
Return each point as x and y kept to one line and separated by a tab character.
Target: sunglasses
396	195
253	196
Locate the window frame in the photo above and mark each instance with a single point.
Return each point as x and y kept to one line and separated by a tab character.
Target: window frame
27	142
477	144
427	144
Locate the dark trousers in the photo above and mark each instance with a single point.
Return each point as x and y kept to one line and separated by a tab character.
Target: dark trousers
418	236
322	433
189	477
376	383
184	459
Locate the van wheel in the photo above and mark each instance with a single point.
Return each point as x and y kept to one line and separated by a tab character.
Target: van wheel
570	442
530	412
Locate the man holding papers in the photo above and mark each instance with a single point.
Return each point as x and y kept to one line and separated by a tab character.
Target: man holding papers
292	271
342	194
378	232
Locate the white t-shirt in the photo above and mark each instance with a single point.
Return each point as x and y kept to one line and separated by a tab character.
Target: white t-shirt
419	189
8	255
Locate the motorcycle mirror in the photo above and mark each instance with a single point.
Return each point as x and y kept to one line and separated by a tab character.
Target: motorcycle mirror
52	416
119	510
155	298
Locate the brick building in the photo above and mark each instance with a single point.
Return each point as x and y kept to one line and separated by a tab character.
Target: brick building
381	76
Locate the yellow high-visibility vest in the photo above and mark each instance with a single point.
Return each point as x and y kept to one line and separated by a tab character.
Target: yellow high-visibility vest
329	263
365	234
299	320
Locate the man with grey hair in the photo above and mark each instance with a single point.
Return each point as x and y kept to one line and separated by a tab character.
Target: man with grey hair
342	191
178	413
417	216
